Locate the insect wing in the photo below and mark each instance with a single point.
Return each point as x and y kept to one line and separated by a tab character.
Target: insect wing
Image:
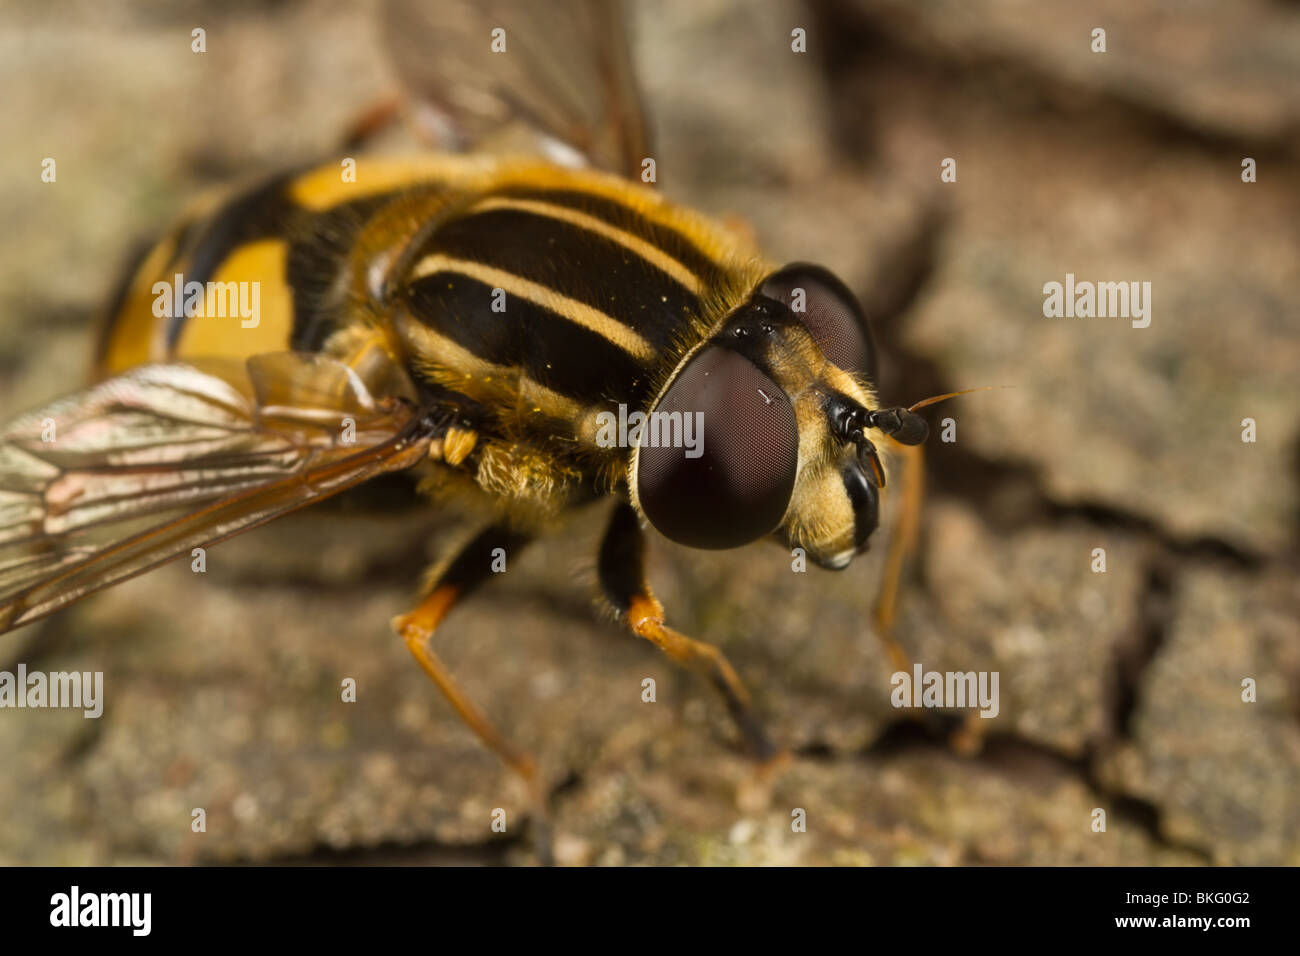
115	480
484	71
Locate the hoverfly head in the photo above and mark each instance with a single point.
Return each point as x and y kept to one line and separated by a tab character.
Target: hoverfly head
781	396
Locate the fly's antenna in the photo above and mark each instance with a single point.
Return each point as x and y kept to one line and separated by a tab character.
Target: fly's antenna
850	421
899	423
908	428
935	399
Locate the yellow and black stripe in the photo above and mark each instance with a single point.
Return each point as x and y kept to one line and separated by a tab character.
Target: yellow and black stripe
604	284
598	292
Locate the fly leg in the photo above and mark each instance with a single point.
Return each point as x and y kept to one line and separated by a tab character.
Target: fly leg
902	543
622	578
967	736
466	571
378	118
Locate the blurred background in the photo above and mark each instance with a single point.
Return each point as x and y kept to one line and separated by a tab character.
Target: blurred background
1120	691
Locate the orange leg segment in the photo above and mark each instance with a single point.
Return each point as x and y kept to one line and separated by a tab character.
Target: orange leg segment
622	577
901	545
416	629
467	570
967	737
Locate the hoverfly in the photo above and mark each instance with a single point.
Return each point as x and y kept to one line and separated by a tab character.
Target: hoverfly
474	318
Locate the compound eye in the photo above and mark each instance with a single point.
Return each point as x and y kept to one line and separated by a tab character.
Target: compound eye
829	311
732	484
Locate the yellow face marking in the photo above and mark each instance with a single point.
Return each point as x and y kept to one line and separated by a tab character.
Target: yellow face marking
633	243
602	324
217	336
457	368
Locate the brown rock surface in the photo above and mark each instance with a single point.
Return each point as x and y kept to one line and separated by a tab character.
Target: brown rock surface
1119	691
